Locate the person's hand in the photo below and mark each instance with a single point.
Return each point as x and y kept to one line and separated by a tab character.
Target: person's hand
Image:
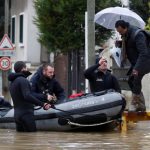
135	72
50	97
101	61
46	106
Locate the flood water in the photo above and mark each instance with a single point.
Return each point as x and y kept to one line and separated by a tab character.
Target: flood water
137	138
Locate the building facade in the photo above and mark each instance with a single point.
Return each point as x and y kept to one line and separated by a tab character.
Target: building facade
24	34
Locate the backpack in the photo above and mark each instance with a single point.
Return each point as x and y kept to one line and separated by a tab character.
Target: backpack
147	34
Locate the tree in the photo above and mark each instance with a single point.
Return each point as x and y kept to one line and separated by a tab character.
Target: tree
148	24
141	7
61	23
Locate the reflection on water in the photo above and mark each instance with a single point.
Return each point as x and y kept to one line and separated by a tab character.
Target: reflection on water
135	139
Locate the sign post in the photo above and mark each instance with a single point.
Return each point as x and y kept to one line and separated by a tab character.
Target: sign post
6	51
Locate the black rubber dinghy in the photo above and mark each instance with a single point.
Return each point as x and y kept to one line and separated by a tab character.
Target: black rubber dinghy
88	110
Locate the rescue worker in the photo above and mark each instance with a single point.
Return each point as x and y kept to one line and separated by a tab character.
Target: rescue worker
100	78
45	86
23	99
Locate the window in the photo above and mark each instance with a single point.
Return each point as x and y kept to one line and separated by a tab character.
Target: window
13	21
21	20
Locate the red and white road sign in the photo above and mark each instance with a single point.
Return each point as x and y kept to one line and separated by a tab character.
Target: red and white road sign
5	63
6	43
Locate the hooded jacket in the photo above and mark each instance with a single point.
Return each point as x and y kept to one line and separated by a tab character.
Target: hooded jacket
100	81
41	86
22	97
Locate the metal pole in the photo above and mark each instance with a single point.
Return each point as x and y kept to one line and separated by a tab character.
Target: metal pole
91	31
6	16
86	52
89	37
5	89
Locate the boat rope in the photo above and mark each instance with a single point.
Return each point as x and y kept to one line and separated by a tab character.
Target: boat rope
69	113
88	125
37	107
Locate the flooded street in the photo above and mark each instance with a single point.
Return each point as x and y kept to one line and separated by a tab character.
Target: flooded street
135	139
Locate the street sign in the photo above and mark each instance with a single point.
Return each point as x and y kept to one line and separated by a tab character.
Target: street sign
7	53
5	63
6	43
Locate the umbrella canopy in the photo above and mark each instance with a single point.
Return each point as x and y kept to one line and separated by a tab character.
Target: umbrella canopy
108	17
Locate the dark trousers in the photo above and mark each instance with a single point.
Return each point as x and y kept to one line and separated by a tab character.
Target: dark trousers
26	123
135	82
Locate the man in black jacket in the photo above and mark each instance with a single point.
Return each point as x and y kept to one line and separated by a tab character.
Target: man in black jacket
138	53
100	78
45	86
23	99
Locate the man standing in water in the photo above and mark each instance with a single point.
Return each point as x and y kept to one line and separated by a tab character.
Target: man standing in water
23	100
137	50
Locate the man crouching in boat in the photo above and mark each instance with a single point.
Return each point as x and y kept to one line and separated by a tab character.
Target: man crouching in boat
23	100
44	85
100	77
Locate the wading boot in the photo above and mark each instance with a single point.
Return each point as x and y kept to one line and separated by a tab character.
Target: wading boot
132	107
139	102
142	98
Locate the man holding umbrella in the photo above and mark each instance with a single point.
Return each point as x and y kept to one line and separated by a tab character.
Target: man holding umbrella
137	51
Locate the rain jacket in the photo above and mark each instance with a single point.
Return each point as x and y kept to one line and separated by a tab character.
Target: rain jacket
41	86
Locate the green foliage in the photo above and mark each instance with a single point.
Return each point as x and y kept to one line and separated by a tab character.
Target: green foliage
148	23
141	7
61	23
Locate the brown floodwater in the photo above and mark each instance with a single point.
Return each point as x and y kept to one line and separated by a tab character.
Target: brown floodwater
137	138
